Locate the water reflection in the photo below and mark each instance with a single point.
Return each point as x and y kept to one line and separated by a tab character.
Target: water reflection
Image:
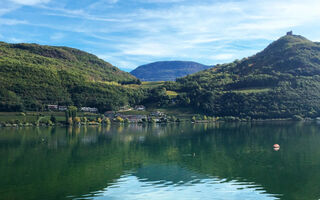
185	161
131	187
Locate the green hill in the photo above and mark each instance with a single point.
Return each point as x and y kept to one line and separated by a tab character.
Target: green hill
167	70
282	81
32	76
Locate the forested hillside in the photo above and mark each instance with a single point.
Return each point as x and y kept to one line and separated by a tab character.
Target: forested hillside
32	76
281	81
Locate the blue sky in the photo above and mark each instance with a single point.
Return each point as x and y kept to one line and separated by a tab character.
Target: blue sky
128	33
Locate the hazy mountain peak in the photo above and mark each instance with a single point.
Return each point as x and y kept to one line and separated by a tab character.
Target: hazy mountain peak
167	70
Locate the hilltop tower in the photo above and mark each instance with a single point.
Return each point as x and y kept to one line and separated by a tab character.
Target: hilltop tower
289	33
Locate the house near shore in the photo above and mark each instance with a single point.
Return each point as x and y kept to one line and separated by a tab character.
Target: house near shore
157	114
63	108
89	109
53	107
140	108
56	107
125	108
134	118
110	114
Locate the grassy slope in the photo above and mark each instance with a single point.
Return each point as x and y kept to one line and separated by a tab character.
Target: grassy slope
281	81
61	58
32	76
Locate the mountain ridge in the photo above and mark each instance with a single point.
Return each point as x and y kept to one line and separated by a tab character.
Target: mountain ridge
33	76
282	81
167	70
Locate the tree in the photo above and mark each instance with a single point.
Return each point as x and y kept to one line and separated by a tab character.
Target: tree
107	121
70	121
53	119
77	120
193	119
72	111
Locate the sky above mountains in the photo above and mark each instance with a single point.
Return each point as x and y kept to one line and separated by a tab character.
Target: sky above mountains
128	33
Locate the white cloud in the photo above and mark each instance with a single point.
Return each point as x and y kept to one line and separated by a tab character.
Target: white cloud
118	62
193	30
162	1
4	21
190	30
81	14
57	36
30	2
222	56
7	7
15	40
148	49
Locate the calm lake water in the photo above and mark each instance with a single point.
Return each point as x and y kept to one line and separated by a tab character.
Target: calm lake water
186	161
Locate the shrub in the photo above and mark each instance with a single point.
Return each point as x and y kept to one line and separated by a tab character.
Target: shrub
173	118
49	123
198	117
99	120
107	121
297	118
193	119
119	119
77	120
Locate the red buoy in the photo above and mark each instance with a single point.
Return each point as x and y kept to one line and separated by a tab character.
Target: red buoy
276	146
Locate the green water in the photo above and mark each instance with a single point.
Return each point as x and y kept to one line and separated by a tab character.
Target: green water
216	161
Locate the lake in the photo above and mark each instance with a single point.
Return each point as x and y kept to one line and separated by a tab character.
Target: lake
174	161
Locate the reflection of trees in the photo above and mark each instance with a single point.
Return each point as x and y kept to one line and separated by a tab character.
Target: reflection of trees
77	161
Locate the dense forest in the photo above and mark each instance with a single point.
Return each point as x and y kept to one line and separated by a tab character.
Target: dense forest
33	76
282	81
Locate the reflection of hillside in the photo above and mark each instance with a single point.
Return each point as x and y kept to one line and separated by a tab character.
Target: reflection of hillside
51	163
168	173
129	187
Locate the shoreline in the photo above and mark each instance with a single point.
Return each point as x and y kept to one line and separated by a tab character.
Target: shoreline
21	125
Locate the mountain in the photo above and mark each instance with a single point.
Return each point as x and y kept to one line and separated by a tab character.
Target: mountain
282	81
167	70
33	76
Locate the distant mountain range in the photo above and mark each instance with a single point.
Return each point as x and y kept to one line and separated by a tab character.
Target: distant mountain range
167	70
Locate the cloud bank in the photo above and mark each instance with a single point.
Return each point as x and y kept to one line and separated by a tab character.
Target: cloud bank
133	32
